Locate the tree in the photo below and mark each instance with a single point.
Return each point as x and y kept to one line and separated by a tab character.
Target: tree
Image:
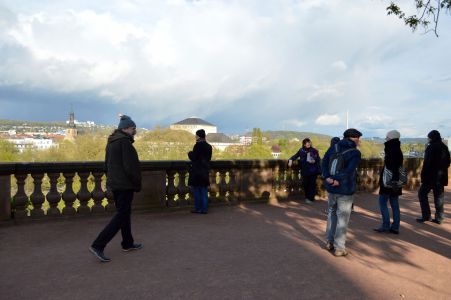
428	12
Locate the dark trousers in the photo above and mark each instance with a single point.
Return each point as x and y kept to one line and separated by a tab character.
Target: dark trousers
200	198
309	185
439	200
121	221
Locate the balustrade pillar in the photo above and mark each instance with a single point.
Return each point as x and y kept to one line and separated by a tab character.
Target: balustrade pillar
69	195
5	197
20	198
213	189
222	186
183	188
53	196
97	194
171	190
83	194
37	197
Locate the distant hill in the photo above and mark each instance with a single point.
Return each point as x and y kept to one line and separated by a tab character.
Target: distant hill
30	123
379	140
285	134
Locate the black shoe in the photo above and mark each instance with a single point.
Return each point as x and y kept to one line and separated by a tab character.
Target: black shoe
99	254
394	231
204	212
195	212
437	221
422	220
380	230
133	247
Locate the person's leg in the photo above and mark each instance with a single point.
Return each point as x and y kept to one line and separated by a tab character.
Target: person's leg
204	199
344	203
125	205
439	202
331	217
384	214
394	203
115	224
424	203
197	198
305	186
311	187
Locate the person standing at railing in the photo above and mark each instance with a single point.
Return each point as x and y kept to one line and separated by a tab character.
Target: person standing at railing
339	167
393	160
199	178
123	173
434	176
309	161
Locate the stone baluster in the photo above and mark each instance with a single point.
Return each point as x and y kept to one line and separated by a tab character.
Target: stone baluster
20	198
53	196
183	188
222	186
213	190
83	194
171	190
37	197
97	193
69	195
232	186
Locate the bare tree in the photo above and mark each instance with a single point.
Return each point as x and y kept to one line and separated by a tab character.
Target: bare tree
428	14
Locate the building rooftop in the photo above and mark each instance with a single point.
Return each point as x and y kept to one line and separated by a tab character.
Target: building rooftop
193	121
218	138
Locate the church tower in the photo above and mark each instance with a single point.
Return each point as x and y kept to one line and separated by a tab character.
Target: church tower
71	131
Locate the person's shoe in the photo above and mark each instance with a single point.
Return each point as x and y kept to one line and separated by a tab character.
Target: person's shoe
394	231
308	201
329	246
99	254
422	220
133	247
437	221
204	212
340	252
381	230
195	211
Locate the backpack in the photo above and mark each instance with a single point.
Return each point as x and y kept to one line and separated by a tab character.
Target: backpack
337	161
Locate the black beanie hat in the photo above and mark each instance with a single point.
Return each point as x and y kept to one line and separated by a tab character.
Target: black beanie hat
352	133
434	135
201	133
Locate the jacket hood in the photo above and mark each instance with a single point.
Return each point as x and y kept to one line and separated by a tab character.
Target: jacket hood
393	143
118	135
346	144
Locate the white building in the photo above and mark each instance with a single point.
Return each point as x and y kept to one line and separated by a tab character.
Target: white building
194	124
23	143
220	141
245	140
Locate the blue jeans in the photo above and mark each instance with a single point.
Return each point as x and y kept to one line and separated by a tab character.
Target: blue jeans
394	203
338	218
200	198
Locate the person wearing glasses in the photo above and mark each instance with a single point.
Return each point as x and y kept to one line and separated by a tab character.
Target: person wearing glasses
123	173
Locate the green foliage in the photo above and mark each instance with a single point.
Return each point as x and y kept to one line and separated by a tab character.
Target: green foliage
428	13
7	151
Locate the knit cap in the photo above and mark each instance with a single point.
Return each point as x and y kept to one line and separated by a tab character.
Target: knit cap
125	122
393	134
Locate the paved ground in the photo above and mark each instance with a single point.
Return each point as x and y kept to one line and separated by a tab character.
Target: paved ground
253	251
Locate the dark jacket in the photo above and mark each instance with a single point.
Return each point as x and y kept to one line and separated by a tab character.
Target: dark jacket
200	164
347	176
308	169
393	160
436	163
122	165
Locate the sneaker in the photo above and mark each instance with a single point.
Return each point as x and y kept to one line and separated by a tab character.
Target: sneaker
422	220
437	221
99	254
329	246
308	201
133	247
340	252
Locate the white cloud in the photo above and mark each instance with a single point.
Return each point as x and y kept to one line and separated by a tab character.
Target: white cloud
339	65
327	119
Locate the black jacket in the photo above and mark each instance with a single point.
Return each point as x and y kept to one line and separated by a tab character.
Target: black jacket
200	164
122	165
393	160
436	163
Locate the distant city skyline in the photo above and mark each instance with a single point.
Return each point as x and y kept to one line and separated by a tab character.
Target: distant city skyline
275	65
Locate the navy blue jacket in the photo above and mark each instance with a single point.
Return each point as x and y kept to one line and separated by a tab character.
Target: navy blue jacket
306	167
347	176
200	164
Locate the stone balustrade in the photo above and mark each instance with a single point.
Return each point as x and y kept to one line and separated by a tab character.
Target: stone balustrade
46	190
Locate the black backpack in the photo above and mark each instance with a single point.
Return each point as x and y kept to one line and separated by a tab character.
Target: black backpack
336	160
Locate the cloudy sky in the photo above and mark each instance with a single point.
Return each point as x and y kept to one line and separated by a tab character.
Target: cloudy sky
278	65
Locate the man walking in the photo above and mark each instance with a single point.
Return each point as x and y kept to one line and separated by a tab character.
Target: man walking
199	178
434	176
339	171
123	172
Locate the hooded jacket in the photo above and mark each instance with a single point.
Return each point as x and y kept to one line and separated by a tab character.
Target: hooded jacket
436	161
393	160
200	164
122	165
348	175
308	169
